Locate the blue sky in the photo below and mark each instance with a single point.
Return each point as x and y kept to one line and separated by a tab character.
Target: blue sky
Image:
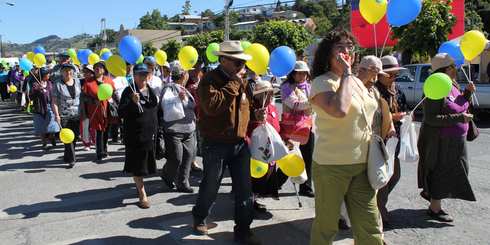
29	20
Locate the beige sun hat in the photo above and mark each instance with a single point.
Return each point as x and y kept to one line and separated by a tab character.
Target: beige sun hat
301	66
232	49
441	60
390	63
370	62
262	86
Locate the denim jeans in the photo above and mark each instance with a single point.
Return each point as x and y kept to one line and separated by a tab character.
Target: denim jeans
216	157
181	151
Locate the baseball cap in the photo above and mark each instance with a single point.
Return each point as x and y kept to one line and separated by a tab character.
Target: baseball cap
140	68
441	60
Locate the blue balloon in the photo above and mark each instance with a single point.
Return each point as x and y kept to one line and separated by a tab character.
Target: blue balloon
130	49
83	55
402	12
453	49
106	55
25	64
282	61
39	50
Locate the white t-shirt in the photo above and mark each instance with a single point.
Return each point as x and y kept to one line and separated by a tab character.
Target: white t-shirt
156	84
120	83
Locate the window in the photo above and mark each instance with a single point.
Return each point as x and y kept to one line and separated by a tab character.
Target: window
407	76
425	73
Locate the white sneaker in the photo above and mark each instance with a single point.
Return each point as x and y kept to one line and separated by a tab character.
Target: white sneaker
86	148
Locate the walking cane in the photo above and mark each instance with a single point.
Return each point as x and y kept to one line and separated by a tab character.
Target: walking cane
300	205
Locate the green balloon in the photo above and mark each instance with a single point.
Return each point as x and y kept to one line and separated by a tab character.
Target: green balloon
437	86
140	59
104	92
212	47
245	44
72	53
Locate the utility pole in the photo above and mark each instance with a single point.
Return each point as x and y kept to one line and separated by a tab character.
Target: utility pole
103	32
228	4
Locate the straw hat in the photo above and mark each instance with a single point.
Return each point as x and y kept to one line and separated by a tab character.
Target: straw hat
232	49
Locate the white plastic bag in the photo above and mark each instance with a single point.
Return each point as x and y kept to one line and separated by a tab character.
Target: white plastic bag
303	177
266	144
391	149
23	100
173	109
408	141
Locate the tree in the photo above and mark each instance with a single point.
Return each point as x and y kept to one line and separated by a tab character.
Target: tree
473	16
273	34
97	42
423	37
323	25
242	35
153	21
148	49
219	21
202	40
172	48
309	8
207	13
186	9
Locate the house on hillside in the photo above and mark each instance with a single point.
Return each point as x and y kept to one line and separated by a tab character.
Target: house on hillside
156	37
191	24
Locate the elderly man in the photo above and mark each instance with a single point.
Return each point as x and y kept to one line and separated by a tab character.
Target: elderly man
225	114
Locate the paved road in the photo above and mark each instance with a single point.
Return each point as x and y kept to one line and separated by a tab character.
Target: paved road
43	202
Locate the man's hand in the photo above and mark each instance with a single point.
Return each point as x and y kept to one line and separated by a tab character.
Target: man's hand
135	98
398	116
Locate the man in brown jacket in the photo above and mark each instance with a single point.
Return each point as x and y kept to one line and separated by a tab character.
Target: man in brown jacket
224	117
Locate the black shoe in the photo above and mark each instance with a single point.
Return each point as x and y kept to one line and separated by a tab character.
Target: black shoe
306	193
247	238
71	164
104	155
259	207
343	225
185	189
440	216
53	142
169	183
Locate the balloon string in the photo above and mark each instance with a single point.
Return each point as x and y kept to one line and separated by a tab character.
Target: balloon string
384	43
415	108
475	98
375	41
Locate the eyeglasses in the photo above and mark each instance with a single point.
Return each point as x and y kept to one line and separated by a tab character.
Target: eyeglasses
345	46
236	62
391	75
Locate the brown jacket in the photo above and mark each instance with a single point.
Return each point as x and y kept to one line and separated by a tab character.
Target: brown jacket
224	108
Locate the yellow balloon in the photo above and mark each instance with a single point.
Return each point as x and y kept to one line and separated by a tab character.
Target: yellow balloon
39	60
260	58
116	66
257	168
291	165
188	57
160	57
75	60
104	50
373	10
472	44
67	136
12	89
30	56
93	58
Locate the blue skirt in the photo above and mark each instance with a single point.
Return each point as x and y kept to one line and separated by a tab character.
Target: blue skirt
45	124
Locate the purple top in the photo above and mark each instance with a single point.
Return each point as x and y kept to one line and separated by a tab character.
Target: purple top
456	103
287	89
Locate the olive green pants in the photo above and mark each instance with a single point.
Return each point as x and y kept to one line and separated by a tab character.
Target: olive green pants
335	184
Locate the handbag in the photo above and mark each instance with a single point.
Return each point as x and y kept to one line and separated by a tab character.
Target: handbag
473	131
296	126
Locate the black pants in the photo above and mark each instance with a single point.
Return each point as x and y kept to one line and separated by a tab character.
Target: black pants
4	91
384	192
115	128
307	152
74	125
101	138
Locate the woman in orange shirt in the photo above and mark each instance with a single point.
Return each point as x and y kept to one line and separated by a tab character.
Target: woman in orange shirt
97	111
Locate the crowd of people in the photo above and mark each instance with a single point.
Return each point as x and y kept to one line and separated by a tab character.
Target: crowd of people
166	111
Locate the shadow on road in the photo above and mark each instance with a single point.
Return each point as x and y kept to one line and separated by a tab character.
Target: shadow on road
412	218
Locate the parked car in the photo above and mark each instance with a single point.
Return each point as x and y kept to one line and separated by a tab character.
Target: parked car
411	82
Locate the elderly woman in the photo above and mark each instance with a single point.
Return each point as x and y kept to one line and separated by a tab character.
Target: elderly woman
443	164
45	124
345	112
138	109
180	135
294	93
66	102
